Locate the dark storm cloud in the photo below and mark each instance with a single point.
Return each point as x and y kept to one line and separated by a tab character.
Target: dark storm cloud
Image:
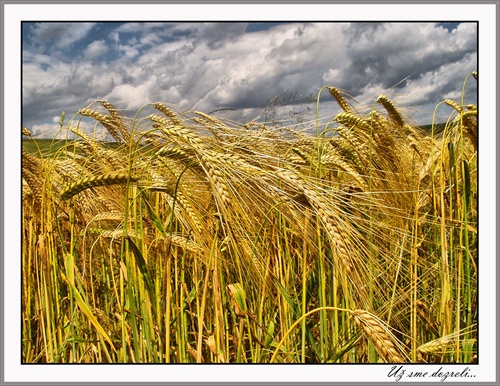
216	35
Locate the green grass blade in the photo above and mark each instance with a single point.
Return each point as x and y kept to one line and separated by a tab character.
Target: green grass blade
70	268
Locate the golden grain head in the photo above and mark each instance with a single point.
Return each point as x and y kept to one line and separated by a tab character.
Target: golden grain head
102	180
378	334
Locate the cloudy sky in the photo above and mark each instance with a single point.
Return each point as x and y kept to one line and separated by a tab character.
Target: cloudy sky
243	67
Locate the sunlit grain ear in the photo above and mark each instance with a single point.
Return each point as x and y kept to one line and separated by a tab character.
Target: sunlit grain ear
103	180
378	334
340	99
393	112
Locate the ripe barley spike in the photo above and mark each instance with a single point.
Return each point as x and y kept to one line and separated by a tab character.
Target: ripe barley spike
105	179
378	335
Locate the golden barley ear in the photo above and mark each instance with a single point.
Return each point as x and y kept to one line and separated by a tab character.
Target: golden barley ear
86	183
434	346
351	120
32	169
394	114
447	343
106	120
168	112
26	132
378	334
340	99
177	131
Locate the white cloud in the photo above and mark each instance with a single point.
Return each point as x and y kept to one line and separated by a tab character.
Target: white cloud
132	96
95	49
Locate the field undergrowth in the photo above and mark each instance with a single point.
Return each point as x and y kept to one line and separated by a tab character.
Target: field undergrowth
196	239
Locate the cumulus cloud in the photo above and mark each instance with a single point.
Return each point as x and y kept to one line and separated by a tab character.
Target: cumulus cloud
95	50
240	66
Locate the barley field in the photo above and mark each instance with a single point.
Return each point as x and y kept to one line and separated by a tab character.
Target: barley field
194	239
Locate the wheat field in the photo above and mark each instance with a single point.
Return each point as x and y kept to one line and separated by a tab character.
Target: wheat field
195	239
